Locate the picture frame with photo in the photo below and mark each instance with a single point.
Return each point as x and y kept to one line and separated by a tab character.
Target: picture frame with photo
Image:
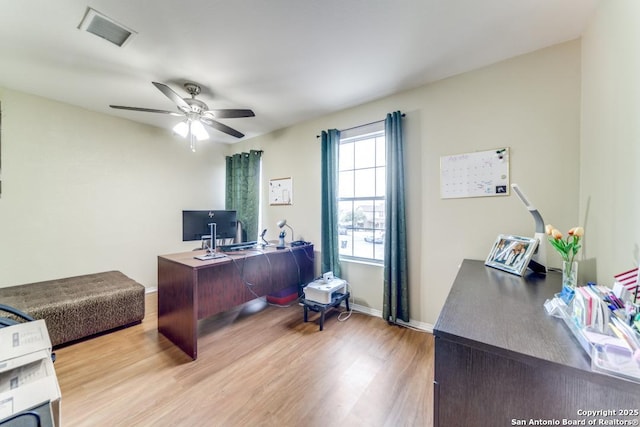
511	253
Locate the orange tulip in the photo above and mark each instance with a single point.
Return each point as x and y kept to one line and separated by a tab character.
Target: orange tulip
568	248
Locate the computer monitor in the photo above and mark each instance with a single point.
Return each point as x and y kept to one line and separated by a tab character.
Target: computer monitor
195	224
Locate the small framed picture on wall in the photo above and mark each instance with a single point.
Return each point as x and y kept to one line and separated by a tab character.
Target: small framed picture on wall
281	191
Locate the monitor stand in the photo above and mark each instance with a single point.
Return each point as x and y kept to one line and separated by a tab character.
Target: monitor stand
211	250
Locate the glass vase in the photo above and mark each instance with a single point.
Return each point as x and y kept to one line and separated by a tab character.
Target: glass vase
569	280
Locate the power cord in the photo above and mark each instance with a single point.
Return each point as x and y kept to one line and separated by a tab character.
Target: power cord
248	284
297	265
345	315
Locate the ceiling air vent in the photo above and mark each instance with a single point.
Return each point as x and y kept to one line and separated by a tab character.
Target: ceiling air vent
96	23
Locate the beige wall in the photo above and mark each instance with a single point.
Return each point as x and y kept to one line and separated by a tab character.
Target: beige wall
530	103
83	192
610	150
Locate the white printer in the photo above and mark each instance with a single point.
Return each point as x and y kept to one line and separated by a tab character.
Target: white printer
322	290
28	380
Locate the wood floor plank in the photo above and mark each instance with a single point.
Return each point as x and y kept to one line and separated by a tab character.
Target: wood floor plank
257	365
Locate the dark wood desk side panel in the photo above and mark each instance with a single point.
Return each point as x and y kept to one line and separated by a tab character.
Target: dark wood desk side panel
228	285
245	278
218	289
255	278
177	305
490	390
292	266
304	258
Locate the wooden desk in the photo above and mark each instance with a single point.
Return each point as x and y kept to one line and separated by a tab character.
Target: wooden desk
189	289
500	359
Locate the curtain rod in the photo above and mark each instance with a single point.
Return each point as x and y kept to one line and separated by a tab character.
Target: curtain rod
244	152
360	126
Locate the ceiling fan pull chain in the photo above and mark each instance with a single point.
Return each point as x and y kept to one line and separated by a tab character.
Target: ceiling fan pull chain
192	138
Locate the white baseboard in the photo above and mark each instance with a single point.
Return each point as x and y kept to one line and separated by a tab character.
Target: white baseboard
427	327
423	326
367	310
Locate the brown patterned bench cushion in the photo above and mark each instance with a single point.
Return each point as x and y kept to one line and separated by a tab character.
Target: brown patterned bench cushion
78	307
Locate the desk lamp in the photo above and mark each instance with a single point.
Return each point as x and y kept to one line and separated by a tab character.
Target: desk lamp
282	223
538	262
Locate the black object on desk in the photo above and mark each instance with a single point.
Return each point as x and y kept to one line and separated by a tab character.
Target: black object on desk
318	307
238	246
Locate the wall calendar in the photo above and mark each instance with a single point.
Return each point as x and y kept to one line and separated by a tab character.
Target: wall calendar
479	174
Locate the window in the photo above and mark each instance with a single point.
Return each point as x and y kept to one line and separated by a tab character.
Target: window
361	193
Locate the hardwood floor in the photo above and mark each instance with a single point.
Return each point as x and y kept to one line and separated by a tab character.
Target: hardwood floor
266	368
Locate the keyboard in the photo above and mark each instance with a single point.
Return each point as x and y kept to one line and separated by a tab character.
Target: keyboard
209	256
238	246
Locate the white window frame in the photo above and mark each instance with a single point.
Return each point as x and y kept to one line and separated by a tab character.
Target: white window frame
371	228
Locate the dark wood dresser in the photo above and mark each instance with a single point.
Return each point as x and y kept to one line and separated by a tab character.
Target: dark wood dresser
501	360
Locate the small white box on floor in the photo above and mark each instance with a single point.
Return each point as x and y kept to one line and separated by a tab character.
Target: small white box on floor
322	290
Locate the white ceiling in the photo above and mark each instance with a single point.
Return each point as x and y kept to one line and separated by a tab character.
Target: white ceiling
288	60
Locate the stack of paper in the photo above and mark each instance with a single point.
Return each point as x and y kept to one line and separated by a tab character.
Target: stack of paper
589	308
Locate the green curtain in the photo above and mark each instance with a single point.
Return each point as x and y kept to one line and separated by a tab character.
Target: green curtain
243	189
329	227
396	286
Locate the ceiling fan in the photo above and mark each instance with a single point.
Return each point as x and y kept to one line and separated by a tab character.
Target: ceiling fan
196	113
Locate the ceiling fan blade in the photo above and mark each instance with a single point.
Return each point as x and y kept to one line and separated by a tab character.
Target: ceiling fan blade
147	110
231	113
219	126
169	93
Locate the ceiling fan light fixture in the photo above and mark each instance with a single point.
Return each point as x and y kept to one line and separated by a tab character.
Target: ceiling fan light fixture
181	129
191	130
198	130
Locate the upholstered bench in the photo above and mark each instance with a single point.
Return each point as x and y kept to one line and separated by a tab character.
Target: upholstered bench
81	306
